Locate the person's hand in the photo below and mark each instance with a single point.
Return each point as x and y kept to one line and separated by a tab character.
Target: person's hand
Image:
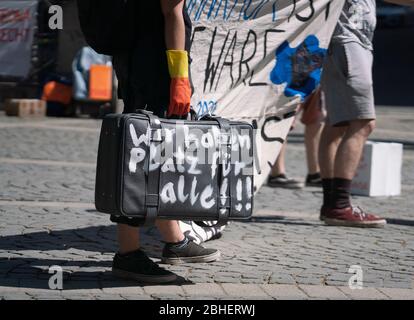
180	97
180	88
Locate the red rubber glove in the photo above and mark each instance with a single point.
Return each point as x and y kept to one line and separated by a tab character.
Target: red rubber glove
180	88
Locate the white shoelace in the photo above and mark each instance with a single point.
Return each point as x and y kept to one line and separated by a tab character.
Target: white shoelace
357	211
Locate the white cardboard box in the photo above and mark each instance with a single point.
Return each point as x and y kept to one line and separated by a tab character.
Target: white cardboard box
379	172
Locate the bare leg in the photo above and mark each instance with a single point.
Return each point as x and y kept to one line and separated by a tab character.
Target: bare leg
341	212
170	230
330	139
350	150
279	166
312	137
128	238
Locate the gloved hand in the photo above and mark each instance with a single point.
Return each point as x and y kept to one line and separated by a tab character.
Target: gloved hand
180	88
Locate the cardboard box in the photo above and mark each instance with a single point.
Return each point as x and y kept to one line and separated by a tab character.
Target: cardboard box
25	108
379	172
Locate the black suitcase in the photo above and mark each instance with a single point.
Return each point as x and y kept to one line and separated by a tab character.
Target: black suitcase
154	168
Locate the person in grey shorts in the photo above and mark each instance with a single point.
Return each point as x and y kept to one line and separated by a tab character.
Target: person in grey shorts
348	88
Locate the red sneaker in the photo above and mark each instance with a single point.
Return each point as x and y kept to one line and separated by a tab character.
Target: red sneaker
353	217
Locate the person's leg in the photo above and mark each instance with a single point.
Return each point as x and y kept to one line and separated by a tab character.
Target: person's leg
132	263
350	150
179	249
347	160
348	155
313	133
279	167
312	118
328	146
330	139
128	238
278	178
170	231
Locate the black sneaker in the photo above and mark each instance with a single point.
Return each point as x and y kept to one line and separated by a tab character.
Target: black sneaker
282	181
314	180
188	253
137	266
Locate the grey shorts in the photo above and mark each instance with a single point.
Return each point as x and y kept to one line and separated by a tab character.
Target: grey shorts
347	84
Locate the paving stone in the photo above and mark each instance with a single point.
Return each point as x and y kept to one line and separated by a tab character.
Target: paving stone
46	296
122	290
398	294
281	292
67	295
164	297
164	290
364	294
15	296
107	296
136	297
282	279
249	291
323	292
204	289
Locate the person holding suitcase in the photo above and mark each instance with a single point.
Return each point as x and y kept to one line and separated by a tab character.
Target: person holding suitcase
154	75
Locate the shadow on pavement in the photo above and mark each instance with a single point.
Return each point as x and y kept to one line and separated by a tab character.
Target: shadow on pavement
279	220
98	239
400	222
316	223
36	276
91	241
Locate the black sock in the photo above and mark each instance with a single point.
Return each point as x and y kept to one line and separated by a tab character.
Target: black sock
341	194
327	192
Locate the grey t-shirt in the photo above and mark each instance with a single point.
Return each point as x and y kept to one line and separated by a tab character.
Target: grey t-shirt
357	23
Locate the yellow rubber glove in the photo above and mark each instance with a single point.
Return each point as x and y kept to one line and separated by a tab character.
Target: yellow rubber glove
180	88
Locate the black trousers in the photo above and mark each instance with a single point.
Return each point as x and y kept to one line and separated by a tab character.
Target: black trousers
134	89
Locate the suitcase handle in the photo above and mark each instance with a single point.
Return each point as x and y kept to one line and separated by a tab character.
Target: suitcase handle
225	200
152	194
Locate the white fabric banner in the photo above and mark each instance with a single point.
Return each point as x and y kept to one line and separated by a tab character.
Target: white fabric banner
17	22
256	60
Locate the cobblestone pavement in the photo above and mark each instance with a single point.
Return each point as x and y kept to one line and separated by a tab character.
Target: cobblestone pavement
47	218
